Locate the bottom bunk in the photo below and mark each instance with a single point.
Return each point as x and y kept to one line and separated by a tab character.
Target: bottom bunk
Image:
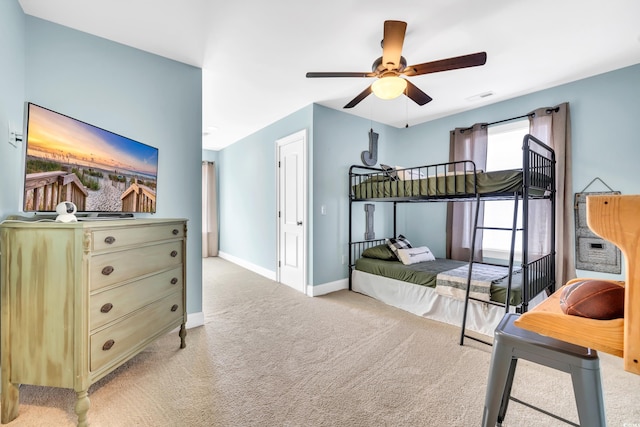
424	301
449	277
435	288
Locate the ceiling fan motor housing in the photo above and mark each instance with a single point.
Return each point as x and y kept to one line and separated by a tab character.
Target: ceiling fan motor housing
391	72
378	67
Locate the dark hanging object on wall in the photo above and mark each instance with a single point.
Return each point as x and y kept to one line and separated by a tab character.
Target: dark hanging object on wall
369	234
370	158
592	252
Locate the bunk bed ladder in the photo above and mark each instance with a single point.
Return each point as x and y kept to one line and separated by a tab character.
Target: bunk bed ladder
514	230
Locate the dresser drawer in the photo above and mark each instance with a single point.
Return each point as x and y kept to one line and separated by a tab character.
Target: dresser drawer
121	237
114	267
112	304
123	337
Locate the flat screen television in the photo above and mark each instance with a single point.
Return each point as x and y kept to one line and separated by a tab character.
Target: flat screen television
101	172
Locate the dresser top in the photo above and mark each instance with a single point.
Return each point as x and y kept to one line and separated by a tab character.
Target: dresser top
34	222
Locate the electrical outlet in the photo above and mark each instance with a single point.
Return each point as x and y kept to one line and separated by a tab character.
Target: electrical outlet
344	259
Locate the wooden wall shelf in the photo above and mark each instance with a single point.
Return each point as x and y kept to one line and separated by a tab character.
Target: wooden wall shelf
614	218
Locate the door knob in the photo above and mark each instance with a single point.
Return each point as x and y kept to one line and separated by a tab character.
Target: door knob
299	222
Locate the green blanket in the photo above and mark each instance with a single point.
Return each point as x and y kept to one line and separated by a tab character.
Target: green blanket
381	186
425	274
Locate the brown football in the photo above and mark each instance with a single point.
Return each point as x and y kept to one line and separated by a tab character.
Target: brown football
595	299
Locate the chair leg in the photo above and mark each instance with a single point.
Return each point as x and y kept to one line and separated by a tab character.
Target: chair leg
507	391
501	362
587	387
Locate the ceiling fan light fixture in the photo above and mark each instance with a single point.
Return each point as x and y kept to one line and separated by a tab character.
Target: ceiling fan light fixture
389	87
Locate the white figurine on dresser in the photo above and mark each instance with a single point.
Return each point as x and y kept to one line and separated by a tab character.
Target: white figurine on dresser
66	212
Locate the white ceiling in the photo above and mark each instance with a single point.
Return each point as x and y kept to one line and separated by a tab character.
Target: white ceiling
255	53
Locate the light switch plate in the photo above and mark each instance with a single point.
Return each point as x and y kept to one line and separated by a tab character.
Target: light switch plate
13	136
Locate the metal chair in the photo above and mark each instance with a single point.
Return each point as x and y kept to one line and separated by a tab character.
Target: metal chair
512	343
547	336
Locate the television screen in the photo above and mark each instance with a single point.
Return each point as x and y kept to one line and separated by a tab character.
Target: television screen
99	171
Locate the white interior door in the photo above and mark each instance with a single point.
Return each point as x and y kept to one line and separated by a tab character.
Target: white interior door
292	188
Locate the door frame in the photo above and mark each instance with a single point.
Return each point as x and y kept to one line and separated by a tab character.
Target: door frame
294	137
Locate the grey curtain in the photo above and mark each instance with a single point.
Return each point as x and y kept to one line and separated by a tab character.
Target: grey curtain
466	144
209	211
552	125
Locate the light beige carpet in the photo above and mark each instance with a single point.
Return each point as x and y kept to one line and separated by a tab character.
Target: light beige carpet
269	356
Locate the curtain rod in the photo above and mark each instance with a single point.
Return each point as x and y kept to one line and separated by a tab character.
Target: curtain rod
508	120
532	114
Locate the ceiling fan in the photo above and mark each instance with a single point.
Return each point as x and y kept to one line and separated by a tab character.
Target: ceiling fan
392	65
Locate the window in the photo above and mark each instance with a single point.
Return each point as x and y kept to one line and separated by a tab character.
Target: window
504	151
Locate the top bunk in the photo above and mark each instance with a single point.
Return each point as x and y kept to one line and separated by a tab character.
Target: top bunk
459	180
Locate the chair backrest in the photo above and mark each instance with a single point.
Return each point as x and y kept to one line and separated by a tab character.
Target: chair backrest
616	218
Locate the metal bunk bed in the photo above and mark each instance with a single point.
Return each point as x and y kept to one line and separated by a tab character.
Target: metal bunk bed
461	182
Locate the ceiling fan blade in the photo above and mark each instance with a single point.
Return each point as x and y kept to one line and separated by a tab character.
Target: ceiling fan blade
340	74
355	101
418	96
392	43
465	61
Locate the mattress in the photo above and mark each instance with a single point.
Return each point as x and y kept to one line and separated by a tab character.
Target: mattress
425	302
380	185
425	273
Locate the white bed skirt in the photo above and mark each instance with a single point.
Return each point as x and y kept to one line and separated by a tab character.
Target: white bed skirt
425	302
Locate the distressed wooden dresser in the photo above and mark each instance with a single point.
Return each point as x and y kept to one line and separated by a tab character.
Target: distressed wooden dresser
80	299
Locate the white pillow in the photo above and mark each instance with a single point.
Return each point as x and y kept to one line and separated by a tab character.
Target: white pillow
408	174
414	255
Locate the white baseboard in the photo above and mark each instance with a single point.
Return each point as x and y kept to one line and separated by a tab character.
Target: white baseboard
249	266
327	288
312	291
195	319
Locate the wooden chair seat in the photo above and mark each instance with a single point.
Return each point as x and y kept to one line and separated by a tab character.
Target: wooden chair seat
615	218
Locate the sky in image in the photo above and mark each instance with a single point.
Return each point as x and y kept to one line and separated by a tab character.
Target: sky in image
64	139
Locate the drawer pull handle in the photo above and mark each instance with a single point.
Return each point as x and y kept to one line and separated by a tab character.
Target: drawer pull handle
174	307
109	240
106	308
175	231
107	270
174	254
174	280
107	345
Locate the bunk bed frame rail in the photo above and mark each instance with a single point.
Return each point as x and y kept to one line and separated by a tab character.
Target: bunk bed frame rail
538	182
461	183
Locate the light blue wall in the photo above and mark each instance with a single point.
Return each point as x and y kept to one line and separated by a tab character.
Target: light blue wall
603	109
210	155
142	96
603	113
339	139
12	86
247	178
247	183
